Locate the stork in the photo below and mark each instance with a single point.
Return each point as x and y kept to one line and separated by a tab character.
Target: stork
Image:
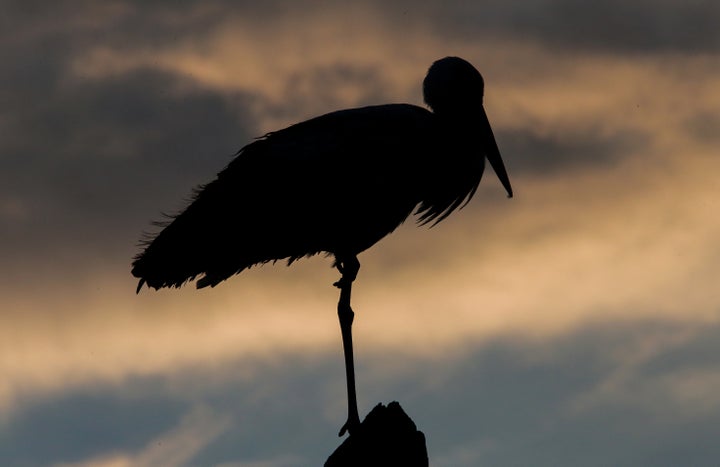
334	184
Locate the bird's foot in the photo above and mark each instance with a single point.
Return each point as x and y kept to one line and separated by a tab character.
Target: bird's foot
350	426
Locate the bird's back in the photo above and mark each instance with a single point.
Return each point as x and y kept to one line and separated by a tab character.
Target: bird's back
337	183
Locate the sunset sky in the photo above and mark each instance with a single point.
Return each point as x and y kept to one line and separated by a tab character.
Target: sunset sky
577	324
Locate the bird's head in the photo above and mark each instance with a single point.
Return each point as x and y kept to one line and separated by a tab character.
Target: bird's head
453	87
454	90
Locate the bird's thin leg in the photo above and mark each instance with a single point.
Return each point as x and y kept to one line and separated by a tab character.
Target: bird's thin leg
349	269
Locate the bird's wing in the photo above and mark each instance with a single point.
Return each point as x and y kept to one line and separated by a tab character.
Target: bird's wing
341	180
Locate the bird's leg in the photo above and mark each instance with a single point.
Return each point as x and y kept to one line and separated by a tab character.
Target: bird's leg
348	267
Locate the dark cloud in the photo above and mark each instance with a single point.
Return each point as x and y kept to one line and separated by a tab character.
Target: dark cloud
615	26
125	419
704	126
502	403
115	24
519	400
84	425
102	153
526	151
316	90
84	159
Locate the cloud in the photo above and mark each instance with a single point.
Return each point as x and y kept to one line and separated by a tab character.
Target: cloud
175	448
544	154
615	26
524	410
205	416
593	212
511	269
80	170
603	393
112	112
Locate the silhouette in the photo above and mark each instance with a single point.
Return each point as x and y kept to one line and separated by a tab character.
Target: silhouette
387	437
334	184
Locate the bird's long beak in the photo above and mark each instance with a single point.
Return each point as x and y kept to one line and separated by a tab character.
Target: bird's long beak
493	153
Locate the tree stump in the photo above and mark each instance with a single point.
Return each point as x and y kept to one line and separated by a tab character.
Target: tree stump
387	437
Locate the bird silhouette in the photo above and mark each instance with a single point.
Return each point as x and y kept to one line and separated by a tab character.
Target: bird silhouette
334	184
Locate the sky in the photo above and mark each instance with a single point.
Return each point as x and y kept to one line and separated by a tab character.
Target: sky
575	324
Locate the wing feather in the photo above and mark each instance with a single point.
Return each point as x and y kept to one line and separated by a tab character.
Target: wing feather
336	183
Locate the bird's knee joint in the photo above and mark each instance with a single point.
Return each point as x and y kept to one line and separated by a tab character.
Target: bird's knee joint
349	268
